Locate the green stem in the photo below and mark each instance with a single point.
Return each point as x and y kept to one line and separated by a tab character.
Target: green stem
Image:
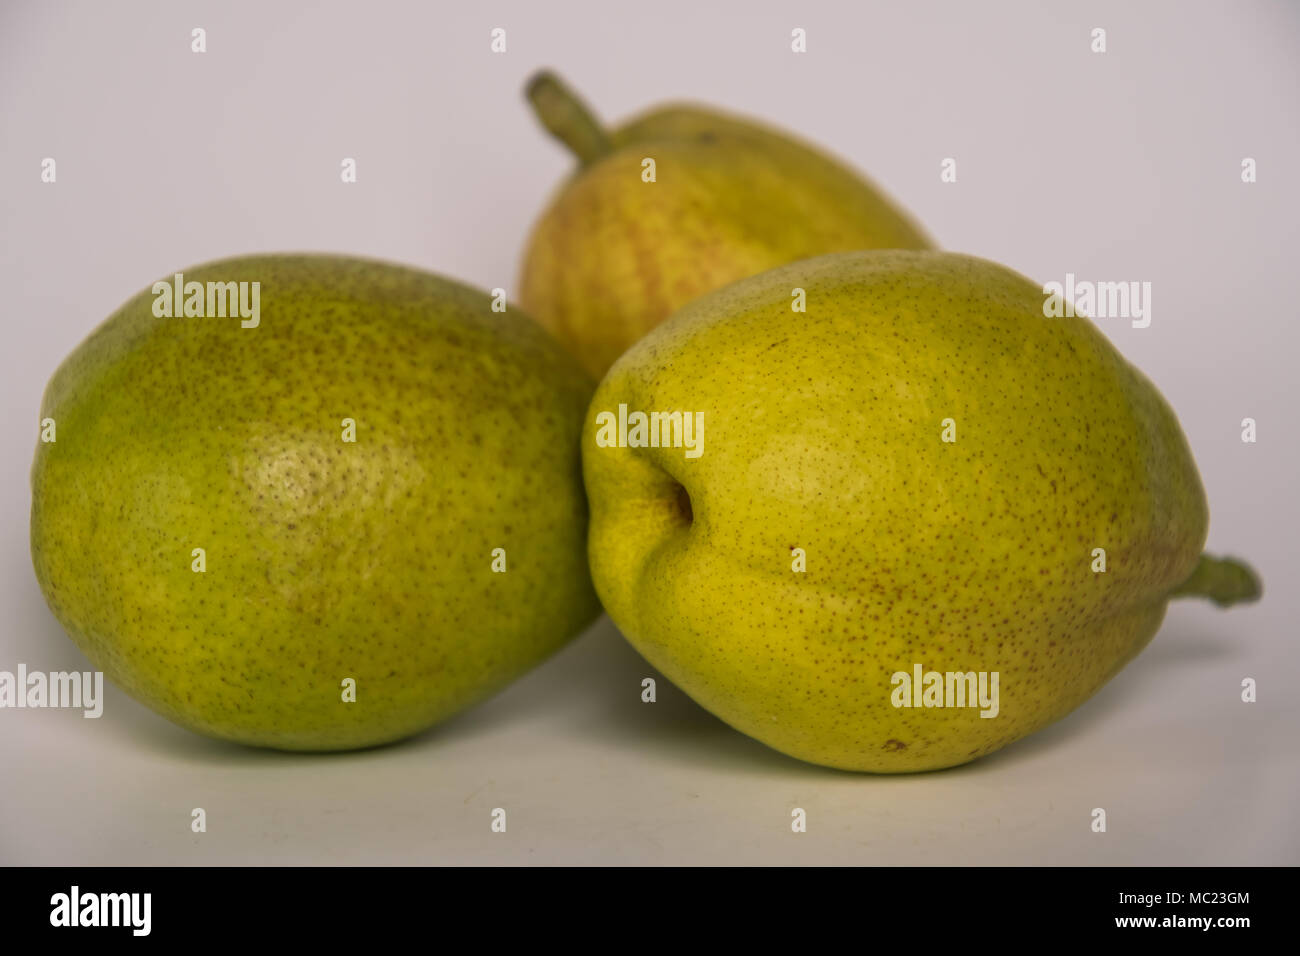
1225	581
567	117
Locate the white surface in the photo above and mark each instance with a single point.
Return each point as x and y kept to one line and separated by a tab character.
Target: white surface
1114	167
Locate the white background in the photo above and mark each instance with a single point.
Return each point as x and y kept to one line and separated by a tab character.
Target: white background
1118	166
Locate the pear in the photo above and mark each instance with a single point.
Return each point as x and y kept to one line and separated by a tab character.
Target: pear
897	531
623	244
326	519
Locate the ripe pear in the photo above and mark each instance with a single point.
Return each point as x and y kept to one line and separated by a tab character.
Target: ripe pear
326	527
921	474
615	254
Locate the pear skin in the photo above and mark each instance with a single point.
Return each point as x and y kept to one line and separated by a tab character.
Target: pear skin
206	532
614	254
921	474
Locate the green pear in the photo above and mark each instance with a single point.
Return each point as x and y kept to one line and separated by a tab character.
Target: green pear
626	242
920	475
326	521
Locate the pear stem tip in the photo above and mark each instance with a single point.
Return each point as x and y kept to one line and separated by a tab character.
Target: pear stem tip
566	117
1225	581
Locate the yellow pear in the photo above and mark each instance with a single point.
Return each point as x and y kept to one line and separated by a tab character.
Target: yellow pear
313	502
677	203
896	531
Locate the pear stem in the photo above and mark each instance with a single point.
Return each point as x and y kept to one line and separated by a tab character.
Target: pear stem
567	118
1225	581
